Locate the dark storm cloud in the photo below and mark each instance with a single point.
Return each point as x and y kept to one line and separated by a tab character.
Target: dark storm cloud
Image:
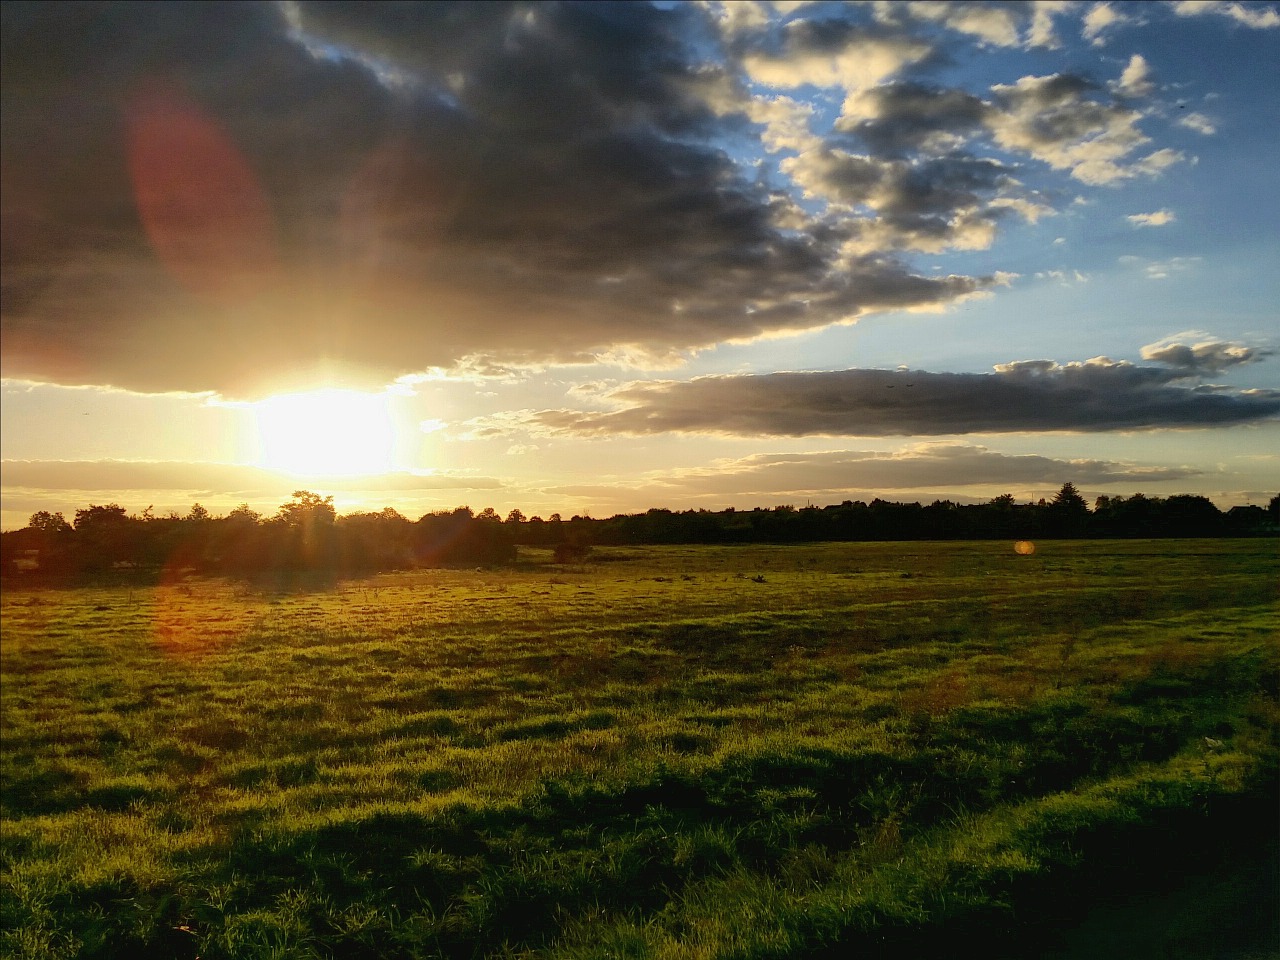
1026	396
383	189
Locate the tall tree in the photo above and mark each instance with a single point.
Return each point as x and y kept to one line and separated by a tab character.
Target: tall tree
307	509
1068	512
1068	499
50	524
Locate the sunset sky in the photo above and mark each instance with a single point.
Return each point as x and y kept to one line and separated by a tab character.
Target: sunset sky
594	258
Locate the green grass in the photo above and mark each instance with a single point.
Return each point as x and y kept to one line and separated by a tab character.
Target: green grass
749	752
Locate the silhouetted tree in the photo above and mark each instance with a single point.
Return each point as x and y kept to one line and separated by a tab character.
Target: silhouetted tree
307	541
1246	521
95	516
243	514
1067	514
105	537
1186	515
49	524
43	547
307	509
374	541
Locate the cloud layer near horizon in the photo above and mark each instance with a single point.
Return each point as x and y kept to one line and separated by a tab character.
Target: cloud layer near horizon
220	479
922	466
1023	396
233	197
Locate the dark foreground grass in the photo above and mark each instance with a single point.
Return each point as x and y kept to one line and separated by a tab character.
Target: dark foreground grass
888	750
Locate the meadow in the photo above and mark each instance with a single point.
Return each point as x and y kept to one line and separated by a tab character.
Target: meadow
820	750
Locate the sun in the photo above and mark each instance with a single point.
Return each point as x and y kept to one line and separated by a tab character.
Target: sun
326	433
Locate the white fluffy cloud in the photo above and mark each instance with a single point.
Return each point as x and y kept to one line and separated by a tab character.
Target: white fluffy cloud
1135	81
1054	119
1253	15
1195	353
997	26
1199	123
828	54
1101	18
1157	219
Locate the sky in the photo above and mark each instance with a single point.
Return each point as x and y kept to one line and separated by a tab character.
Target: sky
596	258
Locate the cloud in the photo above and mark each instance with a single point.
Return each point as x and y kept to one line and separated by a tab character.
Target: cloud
1059	120
1253	15
390	189
1063	277
1157	219
737	18
1135	81
1101	18
786	123
1160	269
1023	396
1041	32
834	53
948	202
896	118
248	198
211	479
1199	123
1203	354
921	141
470	369
68	485
1024	25
926	466
997	26
1158	161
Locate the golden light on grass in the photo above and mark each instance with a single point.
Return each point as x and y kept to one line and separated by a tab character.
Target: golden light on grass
326	433
1024	548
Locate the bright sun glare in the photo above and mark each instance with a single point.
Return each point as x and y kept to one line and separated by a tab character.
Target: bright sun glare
326	433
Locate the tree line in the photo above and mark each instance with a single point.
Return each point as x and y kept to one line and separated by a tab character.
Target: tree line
306	537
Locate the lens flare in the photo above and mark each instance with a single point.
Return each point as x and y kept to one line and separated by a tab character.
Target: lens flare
207	217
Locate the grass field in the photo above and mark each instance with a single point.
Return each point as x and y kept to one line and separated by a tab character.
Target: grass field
832	750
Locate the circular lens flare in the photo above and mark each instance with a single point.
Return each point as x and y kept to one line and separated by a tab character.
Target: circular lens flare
204	211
